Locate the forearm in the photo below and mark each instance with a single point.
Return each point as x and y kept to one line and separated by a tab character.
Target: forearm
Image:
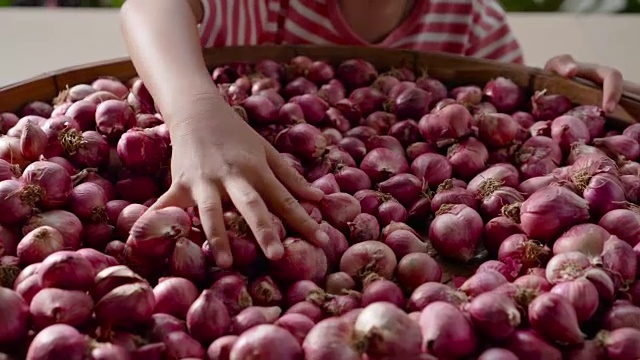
163	42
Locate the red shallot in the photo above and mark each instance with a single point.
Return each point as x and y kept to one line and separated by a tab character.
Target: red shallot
456	231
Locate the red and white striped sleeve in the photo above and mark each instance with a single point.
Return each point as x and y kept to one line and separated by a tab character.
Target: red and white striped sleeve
238	22
491	37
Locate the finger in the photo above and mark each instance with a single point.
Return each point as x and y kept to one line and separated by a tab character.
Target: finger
564	65
611	80
210	210
290	178
253	209
288	208
173	197
612	88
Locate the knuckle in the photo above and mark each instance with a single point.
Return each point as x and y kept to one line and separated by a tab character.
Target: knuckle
252	199
559	60
208	206
263	230
289	203
178	187
298	179
565	57
615	74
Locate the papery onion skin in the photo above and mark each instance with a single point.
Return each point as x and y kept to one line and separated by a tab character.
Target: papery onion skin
329	340
181	345
59	341
258	341
15	317
621	344
416	269
523	252
432	168
15	207
497	230
135	303
494	314
566	266
623	223
446	125
446	332
379	322
307	309
582	295
506	173
504	94
300	261
368	257
56	306
232	291
65	222
254	316
550	211
528	345
619	259
553	316
207	318
174	296
66	270
39	243
381	164
298	325
494	265
459	225
482	282
604	193
621	315
586	238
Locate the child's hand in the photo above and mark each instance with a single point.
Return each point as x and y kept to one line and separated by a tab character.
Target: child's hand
225	159
610	79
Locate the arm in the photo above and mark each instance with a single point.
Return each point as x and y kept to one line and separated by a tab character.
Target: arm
490	36
162	39
216	156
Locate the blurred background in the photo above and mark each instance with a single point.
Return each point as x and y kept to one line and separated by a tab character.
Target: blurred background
606	6
84	31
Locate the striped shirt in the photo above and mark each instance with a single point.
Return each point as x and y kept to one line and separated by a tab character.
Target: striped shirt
476	28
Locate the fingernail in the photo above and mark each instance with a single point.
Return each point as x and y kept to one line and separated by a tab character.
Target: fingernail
610	106
224	260
569	68
275	251
318	192
322	237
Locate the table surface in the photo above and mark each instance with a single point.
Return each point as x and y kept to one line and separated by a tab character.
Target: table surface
49	39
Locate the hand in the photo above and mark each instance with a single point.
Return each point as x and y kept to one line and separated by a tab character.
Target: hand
610	79
224	158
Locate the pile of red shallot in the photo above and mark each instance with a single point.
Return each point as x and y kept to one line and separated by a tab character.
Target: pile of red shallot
534	201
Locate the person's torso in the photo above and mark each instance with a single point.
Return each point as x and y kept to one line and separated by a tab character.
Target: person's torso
432	25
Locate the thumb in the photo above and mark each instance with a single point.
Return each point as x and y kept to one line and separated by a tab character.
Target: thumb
172	197
563	65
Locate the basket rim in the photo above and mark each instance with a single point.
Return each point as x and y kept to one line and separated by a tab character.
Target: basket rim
448	65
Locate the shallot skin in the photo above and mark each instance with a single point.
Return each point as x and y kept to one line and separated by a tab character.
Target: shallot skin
446	332
531	203
456	231
330	340
258	341
389	330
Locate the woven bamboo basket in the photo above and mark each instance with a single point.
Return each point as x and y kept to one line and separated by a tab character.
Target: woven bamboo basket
450	69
